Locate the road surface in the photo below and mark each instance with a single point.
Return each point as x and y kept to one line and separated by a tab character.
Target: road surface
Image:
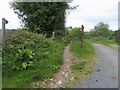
105	73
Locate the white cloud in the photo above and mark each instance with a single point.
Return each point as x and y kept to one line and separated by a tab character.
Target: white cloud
8	14
91	12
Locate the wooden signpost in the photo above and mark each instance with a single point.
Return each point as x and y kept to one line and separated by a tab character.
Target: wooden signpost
4	21
53	35
82	36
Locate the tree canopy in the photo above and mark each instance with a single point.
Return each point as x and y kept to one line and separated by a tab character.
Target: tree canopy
101	31
42	17
75	33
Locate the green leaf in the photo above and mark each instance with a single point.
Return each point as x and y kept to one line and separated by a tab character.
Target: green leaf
24	65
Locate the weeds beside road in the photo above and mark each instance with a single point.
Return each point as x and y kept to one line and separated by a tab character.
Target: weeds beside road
83	62
105	73
82	52
104	42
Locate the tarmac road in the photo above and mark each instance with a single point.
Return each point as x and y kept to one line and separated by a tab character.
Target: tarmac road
106	69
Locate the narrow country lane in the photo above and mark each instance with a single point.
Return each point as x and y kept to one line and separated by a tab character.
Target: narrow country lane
105	73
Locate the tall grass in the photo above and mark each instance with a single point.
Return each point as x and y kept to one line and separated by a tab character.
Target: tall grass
82	52
85	60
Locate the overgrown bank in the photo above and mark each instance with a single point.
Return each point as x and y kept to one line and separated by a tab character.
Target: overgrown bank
82	52
30	57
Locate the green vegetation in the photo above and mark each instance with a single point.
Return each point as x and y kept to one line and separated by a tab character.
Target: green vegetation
42	17
80	70
80	66
102	35
75	33
85	52
30	57
85	57
31	53
117	35
100	32
105	42
83	67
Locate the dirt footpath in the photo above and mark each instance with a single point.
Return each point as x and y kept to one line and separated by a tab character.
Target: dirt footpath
62	76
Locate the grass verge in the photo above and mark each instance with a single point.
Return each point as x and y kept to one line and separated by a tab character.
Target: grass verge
86	51
84	67
105	42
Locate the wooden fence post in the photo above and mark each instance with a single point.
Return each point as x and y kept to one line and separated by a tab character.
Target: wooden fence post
4	21
82	36
53	35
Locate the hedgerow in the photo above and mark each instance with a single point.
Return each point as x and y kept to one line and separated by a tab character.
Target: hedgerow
28	57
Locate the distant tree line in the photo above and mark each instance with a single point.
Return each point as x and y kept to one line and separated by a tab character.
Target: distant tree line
100	32
74	33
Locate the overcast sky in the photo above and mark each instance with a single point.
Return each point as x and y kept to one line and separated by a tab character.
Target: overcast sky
89	13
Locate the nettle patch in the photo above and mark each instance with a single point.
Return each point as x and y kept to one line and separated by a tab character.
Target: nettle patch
24	59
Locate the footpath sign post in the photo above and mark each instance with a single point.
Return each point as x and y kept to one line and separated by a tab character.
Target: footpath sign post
4	21
82	36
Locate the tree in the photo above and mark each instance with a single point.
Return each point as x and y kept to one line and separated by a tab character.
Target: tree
75	33
100	31
42	17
